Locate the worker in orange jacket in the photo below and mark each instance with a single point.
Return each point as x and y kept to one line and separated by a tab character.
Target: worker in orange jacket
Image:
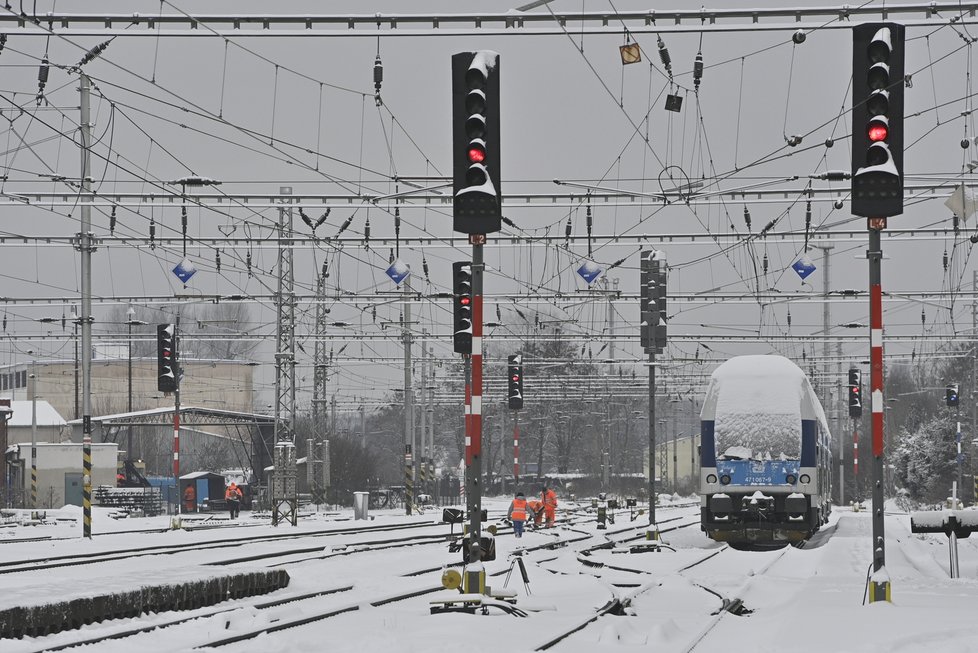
517	513
233	498
550	505
536	509
190	498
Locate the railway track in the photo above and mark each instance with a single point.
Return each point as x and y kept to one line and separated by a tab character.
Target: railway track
621	604
67	560
318	613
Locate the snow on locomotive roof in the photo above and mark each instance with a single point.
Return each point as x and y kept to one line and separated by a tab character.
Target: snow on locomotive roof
758	402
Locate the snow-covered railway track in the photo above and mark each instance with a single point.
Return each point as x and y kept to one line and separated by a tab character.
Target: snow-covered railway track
52	562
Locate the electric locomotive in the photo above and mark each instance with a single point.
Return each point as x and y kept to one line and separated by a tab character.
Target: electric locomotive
765	459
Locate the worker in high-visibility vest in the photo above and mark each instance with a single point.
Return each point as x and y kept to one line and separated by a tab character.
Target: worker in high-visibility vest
536	509
550	505
517	513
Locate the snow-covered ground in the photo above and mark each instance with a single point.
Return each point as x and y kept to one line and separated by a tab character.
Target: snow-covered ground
808	599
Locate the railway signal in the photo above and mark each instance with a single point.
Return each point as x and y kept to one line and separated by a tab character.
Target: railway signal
951	395
877	119
462	306
653	332
166	344
515	374
855	394
475	142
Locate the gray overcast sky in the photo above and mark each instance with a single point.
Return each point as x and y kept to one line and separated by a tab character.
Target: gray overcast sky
566	114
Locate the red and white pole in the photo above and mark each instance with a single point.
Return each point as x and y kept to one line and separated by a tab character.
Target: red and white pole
516	447
880	583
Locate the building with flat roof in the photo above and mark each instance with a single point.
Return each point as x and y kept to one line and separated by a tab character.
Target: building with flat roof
226	384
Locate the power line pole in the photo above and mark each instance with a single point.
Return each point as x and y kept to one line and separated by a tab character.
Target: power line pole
285	505
408	402
85	245
828	387
320	442
423	452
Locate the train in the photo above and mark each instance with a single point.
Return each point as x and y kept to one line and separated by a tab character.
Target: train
765	454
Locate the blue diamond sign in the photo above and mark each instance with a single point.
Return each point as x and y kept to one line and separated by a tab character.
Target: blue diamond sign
803	267
590	271
184	270
398	271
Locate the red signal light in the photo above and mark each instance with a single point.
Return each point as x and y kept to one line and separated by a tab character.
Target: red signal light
465	301
477	155
516	377
877	132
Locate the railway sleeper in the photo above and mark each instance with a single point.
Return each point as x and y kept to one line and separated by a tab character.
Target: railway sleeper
41	620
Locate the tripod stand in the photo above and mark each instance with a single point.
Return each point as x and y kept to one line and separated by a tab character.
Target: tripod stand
517	560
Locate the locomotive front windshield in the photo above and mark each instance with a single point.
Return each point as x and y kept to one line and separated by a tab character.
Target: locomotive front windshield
755	436
747	428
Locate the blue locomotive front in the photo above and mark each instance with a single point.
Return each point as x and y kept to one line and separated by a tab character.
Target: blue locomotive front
765	459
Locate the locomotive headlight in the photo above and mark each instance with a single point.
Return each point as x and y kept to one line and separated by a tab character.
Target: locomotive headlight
805	478
725	479
711	478
790	479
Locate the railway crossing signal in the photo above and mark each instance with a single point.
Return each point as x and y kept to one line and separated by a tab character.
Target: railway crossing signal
515	373
951	395
462	306
877	119
166	342
855	394
475	142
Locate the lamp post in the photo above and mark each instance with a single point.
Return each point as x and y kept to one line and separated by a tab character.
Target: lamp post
130	321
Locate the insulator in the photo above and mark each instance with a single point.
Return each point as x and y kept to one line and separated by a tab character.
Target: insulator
698	70
588	217
217	260
322	218
378	79
42	79
94	52
5	315
945	260
345	225
248	262
567	229
3	41
152	233
42	73
366	232
325	270
808	215
183	220
764	263
373	313
664	55
397	220
63	320
923	317
424	266
112	220
499	314
747	218
390	259
789	318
